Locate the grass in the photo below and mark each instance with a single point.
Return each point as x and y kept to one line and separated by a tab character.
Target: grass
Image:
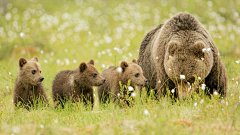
62	32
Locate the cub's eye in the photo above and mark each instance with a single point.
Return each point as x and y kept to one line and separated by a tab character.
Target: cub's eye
94	75
33	72
137	75
40	71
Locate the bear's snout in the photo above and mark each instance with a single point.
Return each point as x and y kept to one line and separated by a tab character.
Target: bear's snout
41	79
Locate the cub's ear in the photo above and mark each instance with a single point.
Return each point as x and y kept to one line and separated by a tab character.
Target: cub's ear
82	67
22	62
35	58
91	62
134	61
172	46
123	65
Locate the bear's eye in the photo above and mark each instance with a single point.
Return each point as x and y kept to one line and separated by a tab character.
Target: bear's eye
137	75
33	72
40	71
94	75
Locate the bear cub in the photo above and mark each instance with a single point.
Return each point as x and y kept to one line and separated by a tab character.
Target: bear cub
28	86
76	85
113	75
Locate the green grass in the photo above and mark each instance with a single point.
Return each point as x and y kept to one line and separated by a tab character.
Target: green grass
79	30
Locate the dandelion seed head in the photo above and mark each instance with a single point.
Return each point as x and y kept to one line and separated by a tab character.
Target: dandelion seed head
45	61
215	92
74	61
201	101
146	112
119	69
204	50
16	129
56	121
172	90
41	126
133	94
130	88
22	34
182	76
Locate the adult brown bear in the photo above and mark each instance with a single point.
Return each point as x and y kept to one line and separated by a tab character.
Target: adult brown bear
179	51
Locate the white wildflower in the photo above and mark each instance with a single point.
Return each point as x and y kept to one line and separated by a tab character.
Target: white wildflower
159	81
231	94
202	59
195	104
9	73
45	61
238	61
41	126
222	101
103	65
130	88
146	112
94	95
119	69
118	94
201	101
227	103
157	58
7	87
16	129
232	79
170	56
208	49
199	78
133	94
182	76
41	51
203	86
215	93
169	69
204	50
237	82
21	34
172	90
74	61
56	121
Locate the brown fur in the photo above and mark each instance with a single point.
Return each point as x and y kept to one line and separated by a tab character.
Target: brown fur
113	77
28	85
76	84
177	45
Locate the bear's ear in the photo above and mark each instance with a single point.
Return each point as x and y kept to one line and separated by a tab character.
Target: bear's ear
123	65
198	46
172	46
91	62
82	67
22	62
134	61
35	58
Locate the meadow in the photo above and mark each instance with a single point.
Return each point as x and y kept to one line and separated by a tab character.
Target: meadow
64	33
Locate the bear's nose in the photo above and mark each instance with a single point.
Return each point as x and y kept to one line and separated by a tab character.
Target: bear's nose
146	81
104	80
41	78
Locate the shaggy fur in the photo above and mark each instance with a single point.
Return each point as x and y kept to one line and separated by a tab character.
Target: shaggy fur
181	46
76	85
113	75
28	86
